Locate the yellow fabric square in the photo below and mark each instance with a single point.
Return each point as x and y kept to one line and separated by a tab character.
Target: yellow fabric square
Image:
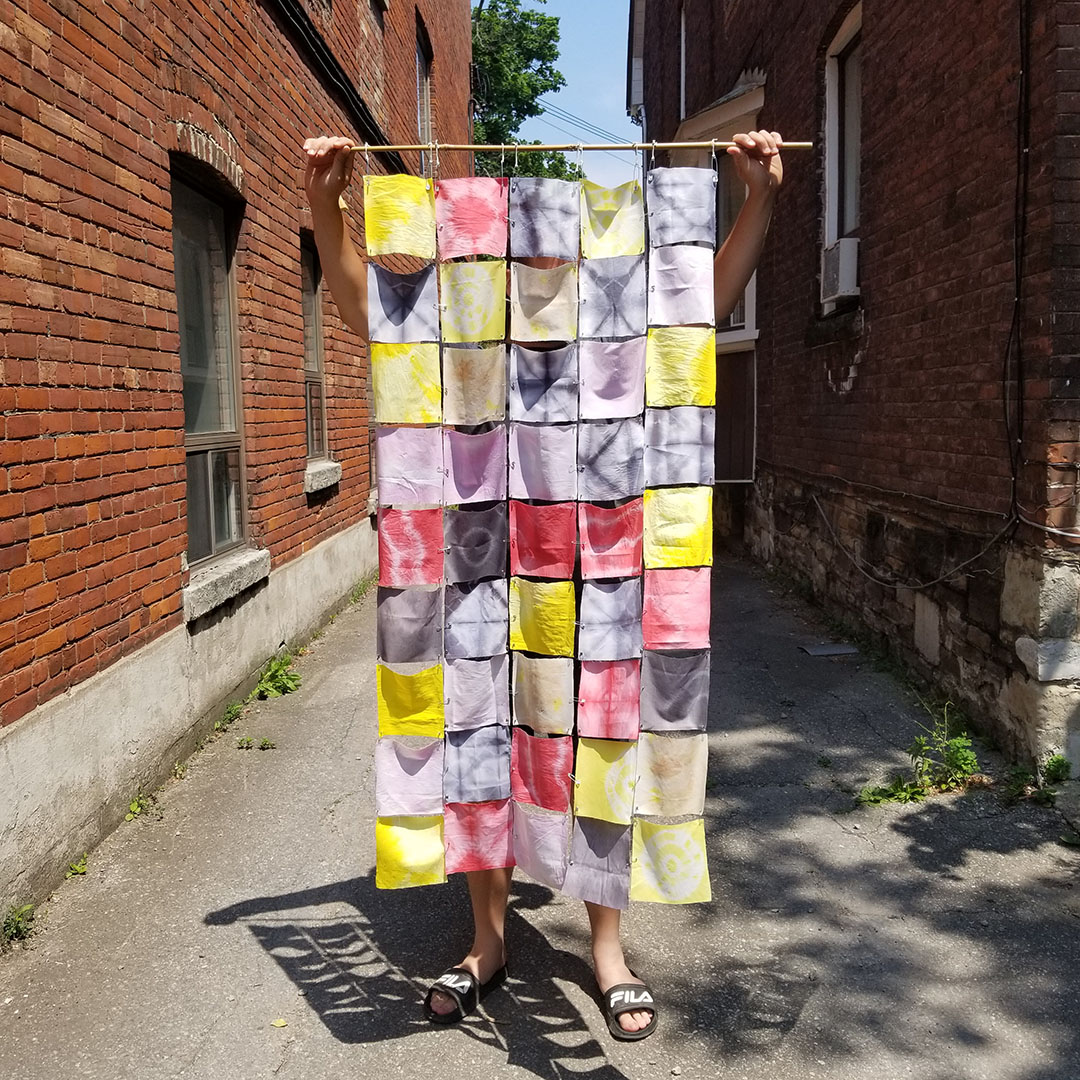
671	773
399	216
407	385
473	301
678	527
668	863
612	220
604	773
680	366
409	851
410	704
542	617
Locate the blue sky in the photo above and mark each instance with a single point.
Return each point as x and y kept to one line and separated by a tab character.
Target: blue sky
593	60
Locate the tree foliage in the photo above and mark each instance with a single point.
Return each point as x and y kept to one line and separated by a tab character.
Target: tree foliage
514	55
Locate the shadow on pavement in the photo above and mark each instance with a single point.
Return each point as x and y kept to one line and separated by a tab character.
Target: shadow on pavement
360	972
936	934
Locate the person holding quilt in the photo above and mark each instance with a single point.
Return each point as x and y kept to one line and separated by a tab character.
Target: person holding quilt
629	1007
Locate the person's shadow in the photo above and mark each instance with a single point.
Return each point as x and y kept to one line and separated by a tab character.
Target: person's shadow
365	972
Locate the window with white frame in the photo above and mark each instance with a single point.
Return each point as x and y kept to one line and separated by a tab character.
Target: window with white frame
843	158
204	297
314	382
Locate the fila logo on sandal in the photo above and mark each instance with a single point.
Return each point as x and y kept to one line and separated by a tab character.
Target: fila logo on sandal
631	997
455	982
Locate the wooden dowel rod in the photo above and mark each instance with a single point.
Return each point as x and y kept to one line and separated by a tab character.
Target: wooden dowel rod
525	148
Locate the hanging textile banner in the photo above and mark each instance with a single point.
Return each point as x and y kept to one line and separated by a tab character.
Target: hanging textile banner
544	394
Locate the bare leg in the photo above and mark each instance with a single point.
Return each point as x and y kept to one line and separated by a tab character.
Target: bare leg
489	891
608	962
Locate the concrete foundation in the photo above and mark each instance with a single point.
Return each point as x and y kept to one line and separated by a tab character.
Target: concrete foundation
69	768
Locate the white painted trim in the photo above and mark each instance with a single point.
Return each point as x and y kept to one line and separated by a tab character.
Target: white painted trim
730	341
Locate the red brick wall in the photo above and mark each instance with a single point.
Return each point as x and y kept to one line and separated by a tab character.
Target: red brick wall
876	472
92	525
924	414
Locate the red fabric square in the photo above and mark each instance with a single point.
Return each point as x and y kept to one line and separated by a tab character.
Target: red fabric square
609	699
542	540
676	609
478	836
410	547
611	539
540	770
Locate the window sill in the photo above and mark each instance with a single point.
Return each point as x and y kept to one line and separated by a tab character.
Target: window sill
321	474
210	586
735	340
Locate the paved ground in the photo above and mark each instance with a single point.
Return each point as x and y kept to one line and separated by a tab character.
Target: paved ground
939	941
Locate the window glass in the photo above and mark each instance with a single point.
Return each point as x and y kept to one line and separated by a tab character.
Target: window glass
314	390
731	193
201	262
850	99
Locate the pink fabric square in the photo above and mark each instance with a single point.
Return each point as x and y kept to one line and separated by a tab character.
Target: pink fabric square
475	466
540	769
478	836
543	539
409	465
471	216
609	697
410	547
611	539
676	610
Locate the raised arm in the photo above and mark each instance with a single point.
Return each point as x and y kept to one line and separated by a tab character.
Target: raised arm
758	166
328	167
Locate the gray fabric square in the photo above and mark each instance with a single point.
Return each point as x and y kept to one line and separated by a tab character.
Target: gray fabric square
545	218
477	620
612	297
407	625
476	543
674	690
682	206
476	765
544	384
610	620
611	459
542	462
599	866
681	286
402	307
680	446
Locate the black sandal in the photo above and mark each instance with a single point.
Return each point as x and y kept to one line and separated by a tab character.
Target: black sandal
466	990
624	998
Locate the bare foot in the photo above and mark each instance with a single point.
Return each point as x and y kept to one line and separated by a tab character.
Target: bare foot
611	970
483	963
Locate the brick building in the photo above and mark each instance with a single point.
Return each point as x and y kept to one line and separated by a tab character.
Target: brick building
916	444
185	477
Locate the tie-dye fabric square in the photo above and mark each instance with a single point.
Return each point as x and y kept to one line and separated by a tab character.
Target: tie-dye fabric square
682	206
612	220
402	307
473	301
545	218
471	216
399	216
